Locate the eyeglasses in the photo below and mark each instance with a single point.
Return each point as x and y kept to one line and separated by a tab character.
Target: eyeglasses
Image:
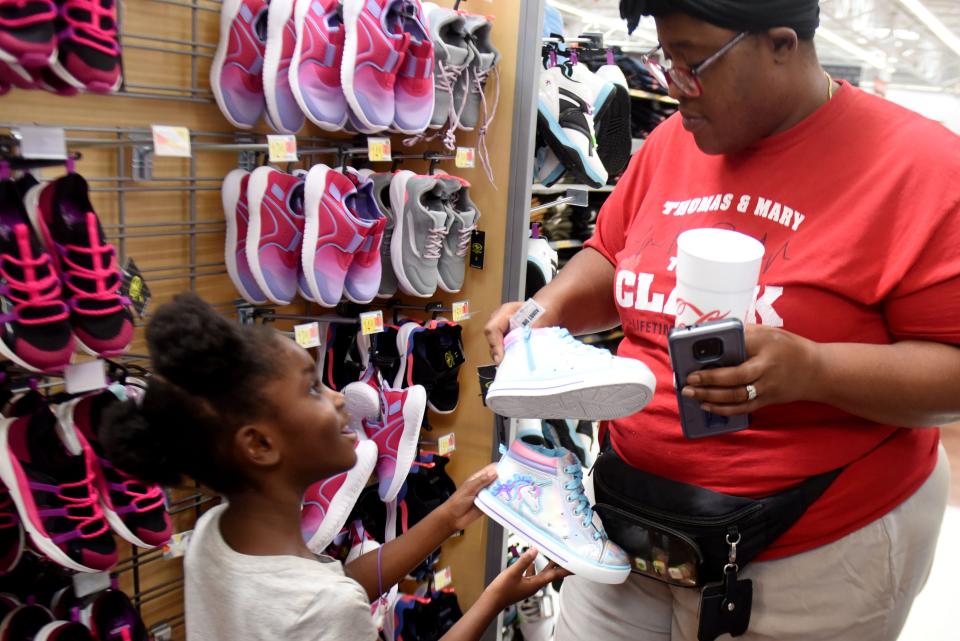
686	79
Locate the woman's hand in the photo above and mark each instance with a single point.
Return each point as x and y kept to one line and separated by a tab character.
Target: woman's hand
521	580
497	327
781	367
458	511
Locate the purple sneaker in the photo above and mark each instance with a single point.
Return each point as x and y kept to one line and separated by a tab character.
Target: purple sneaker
363	278
414	92
236	73
275	232
234	196
315	67
282	108
335	230
373	52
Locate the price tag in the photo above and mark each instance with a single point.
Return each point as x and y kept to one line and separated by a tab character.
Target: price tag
161	632
42	142
443	578
527	313
85	377
87	583
466	157
378	149
177	546
307	335
446	444
371	322
283	148
171	141
461	310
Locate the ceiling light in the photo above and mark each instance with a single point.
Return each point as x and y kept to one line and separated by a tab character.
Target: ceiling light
873	59
906	34
933	23
862	40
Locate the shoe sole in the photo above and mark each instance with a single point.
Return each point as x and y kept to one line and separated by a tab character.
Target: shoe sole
256	188
573	397
614	140
398	189
351	15
566	151
346	497
313	194
230	196
277	18
414	407
228	13
300	21
9	477
403	337
552	548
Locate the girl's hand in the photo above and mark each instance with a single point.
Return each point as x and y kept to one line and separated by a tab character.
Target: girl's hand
458	511
521	580
781	367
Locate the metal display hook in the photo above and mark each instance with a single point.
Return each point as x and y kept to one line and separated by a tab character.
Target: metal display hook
573	197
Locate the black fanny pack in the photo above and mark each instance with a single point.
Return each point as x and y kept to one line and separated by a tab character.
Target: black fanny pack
687	535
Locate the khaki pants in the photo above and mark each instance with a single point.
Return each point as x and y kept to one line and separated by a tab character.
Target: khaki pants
859	588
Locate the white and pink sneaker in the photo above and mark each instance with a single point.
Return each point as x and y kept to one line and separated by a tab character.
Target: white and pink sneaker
396	435
233	193
314	74
283	112
275	232
235	74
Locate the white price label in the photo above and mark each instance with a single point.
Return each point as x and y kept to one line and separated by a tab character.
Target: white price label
443	578
42	142
85	377
446	444
528	312
461	310
282	147
371	322
378	149
307	335
466	157
87	583
162	632
171	141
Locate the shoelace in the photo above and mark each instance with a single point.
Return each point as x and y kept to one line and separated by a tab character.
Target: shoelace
433	245
575	488
104	275
480	78
91	31
31	291
145	497
32	19
90	513
445	81
463	242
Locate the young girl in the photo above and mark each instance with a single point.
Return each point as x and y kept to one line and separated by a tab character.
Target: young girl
240	410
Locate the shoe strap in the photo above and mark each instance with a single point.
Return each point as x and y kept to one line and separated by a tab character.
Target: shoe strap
37	288
104	274
85	24
25	21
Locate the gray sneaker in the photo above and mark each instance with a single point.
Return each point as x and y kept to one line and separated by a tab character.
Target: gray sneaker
381	194
462	216
420	224
485	59
453	55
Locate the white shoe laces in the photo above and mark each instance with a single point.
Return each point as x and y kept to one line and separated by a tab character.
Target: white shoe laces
433	245
479	79
463	242
445	81
575	494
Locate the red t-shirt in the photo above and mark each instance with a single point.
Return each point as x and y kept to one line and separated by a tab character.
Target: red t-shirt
858	207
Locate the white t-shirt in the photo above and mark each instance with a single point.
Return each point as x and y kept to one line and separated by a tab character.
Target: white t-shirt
239	597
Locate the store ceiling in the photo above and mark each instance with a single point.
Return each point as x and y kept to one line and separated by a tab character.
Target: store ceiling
913	43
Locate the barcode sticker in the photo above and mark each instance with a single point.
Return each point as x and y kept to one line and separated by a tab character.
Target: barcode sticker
307	335
446	444
171	141
461	310
283	148
443	578
378	149
371	322
528	312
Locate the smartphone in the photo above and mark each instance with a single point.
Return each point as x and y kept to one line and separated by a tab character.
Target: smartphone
706	346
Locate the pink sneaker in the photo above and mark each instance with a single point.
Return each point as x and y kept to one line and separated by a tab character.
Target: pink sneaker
136	511
327	503
233	193
414	92
88	47
315	67
397	435
35	323
282	108
334	231
63	217
51	483
27	35
373	50
235	75
363	278
275	232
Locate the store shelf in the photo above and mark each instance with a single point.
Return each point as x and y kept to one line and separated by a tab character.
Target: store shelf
566	244
646	95
561	188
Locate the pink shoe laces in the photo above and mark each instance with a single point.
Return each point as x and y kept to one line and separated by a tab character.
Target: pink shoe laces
433	245
104	275
32	19
463	242
82	510
31	292
487	118
445	81
145	497
91	24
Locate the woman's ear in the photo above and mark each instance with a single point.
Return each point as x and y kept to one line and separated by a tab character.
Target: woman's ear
256	445
785	43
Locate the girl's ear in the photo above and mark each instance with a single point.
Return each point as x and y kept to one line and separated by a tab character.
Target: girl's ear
256	445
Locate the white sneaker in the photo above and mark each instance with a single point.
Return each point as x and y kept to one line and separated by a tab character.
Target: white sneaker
539	495
542	263
565	120
547	373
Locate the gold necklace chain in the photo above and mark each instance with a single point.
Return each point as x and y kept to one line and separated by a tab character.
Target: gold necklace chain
829	85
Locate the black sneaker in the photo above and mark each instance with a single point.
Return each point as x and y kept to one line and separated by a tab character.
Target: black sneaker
342	361
428	486
431	356
446	609
382	352
24	622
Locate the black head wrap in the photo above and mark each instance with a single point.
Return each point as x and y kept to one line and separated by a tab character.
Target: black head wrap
803	16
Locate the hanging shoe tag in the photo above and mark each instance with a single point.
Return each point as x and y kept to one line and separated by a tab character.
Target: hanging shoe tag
49	143
460	310
466	157
307	335
443	578
171	141
477	244
486	374
282	147
378	149
528	312
85	377
446	444
161	632
87	583
134	288
371	322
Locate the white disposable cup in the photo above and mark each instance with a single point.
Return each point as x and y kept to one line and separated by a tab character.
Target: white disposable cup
717	272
